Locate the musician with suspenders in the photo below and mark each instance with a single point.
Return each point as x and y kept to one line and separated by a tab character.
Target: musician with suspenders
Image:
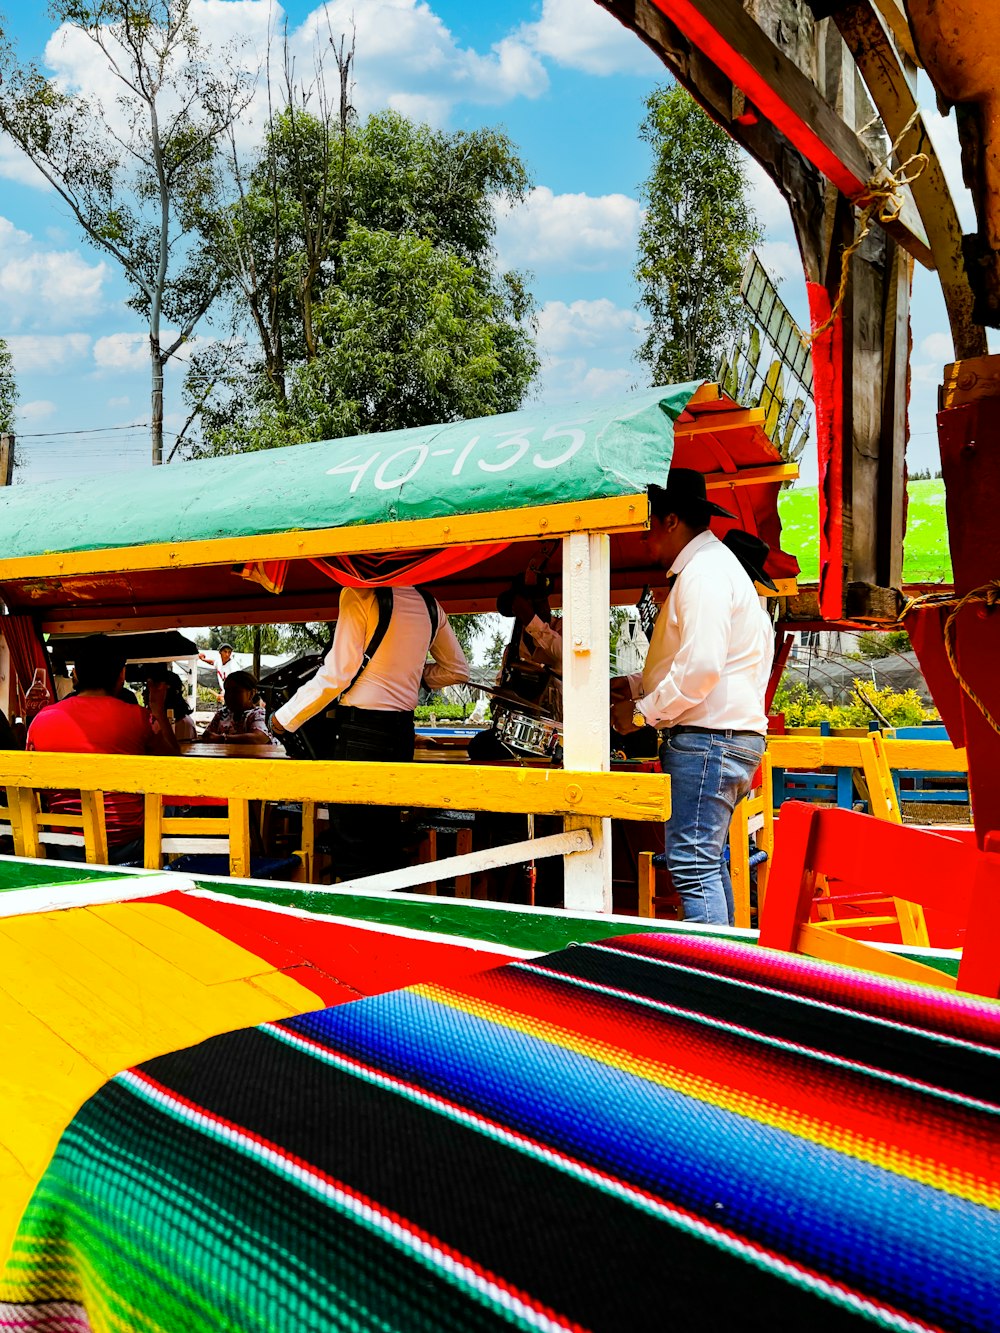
373	671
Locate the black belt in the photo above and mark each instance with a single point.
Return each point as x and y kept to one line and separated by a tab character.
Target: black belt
384	717
727	732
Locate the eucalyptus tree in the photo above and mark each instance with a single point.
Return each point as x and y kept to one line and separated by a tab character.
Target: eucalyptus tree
136	161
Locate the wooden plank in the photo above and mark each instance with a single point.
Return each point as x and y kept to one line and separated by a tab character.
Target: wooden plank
239	839
95	834
860	26
740	48
616	514
898	25
970	379
927	756
553	791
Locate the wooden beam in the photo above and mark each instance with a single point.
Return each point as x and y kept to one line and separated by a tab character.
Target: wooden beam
776	86
621	513
899	26
887	82
515	790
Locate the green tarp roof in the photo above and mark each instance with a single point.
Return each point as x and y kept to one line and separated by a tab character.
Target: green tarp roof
540	455
926	558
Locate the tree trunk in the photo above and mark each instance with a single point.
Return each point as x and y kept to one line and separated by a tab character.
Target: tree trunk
256	652
156	402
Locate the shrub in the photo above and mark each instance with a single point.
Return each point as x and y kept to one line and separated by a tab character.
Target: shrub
803	707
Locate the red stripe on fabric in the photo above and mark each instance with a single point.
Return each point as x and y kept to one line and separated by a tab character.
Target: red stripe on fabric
345	961
962	1017
847	1100
766	98
381	1213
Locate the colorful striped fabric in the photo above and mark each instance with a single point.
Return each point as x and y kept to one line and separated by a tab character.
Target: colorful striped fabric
641	1133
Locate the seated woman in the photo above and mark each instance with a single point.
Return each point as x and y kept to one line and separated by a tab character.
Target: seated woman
242	719
178	708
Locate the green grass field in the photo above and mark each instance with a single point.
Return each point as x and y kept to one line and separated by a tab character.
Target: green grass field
925	546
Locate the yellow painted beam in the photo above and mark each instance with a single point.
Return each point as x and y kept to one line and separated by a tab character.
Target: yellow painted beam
615	514
941	756
89	991
751	476
543	791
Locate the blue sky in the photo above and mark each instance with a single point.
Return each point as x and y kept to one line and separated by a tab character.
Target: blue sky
565	81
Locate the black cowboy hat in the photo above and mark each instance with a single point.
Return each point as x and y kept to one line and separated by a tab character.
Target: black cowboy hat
684	494
751	552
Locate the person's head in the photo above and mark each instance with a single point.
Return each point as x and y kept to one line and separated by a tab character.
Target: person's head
225	652
678	512
176	702
99	664
240	690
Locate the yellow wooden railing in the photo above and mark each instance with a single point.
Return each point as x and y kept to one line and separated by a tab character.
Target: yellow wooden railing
551	791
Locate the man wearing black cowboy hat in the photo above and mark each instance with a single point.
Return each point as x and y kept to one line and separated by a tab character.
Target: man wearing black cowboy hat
702	687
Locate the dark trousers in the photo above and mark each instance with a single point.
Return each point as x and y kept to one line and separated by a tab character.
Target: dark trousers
367	839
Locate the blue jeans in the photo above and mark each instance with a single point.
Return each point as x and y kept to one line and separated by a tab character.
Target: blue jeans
710	772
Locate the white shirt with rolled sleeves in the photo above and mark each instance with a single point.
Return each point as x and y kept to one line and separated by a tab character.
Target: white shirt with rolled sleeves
712	646
391	681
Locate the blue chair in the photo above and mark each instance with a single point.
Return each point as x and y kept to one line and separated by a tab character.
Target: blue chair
928	786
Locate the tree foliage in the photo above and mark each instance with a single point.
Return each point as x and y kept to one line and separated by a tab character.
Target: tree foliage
138	166
8	388
361	256
698	230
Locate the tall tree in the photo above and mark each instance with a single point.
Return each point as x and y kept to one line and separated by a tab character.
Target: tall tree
698	230
362	255
8	388
135	166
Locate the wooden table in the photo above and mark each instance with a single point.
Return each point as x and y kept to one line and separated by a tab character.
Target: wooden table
229	750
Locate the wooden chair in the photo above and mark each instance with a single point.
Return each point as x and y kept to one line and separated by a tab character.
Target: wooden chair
753	815
33	829
871	857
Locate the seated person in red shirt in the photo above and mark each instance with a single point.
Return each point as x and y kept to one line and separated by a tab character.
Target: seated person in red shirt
94	721
242	720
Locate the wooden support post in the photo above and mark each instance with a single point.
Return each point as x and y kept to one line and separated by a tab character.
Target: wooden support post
6	458
239	838
95	834
23	805
586	705
152	856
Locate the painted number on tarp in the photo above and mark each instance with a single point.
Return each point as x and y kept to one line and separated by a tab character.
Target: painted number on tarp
497	453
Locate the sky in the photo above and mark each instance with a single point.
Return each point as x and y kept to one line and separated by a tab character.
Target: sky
564	80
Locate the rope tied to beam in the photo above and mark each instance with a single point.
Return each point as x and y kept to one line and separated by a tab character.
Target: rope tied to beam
882	200
987	595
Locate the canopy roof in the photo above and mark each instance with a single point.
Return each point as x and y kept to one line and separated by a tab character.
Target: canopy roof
168	546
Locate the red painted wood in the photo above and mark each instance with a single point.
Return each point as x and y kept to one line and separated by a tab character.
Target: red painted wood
828	391
704	35
335	961
953	881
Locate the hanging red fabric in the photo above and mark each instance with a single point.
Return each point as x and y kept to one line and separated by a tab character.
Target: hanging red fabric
27	654
391	569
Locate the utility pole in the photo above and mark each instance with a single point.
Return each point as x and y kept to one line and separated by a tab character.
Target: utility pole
6	458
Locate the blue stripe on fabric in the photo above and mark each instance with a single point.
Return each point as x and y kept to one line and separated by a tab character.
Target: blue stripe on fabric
865	1226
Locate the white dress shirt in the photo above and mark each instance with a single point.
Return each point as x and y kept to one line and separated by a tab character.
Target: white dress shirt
712	646
391	681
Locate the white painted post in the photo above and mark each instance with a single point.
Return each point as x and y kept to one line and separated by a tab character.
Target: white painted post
586	704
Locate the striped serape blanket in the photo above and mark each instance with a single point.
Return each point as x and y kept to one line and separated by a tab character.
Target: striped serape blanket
652	1132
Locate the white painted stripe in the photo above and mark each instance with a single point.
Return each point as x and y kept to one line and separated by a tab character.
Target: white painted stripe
368	1215
88	893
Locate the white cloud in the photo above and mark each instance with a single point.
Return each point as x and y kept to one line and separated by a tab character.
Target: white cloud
37	410
575	231
781	259
122	351
588	350
407	57
768	202
581	35
586	324
938	347
39	351
122	401
38	286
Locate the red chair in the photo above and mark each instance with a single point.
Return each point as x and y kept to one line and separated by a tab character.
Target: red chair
860	856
